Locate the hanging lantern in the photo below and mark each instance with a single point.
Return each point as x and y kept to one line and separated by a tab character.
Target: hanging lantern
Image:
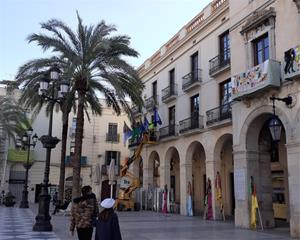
275	128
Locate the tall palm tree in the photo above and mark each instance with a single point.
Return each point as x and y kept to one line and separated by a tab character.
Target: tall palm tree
98	67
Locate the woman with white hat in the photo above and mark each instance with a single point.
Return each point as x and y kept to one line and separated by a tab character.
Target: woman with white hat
107	227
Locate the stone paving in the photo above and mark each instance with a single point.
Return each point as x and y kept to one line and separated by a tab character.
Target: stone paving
16	223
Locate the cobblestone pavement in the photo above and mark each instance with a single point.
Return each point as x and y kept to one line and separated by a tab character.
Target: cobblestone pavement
16	223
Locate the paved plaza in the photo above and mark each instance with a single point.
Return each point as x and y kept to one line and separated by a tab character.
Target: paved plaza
16	223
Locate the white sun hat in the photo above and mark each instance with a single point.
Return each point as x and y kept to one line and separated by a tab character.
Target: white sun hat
107	203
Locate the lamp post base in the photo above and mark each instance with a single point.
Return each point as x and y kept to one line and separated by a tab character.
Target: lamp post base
24	202
43	218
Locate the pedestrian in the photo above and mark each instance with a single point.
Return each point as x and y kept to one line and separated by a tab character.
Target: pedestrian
83	210
107	226
165	200
55	199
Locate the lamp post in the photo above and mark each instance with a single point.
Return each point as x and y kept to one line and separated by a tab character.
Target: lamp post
43	218
26	140
275	124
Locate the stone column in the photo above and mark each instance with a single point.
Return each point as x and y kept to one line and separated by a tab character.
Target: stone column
210	169
185	177
245	165
165	176
293	164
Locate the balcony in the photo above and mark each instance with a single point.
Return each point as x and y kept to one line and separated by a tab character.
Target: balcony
168	131
136	111
69	161
151	102
104	170
169	93
219	115
256	80
219	63
191	125
113	137
191	80
291	66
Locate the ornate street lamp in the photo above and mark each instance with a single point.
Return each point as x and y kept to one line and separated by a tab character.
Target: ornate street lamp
43	218
275	124
26	141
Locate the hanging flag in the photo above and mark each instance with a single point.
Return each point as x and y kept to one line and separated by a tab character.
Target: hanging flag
219	194
157	119
254	203
127	133
145	124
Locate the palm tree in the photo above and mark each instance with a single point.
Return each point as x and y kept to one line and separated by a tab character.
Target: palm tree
97	66
12	118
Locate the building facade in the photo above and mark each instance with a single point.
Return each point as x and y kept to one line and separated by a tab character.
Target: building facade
102	142
212	84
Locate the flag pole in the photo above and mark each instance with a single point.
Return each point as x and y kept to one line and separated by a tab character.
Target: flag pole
260	219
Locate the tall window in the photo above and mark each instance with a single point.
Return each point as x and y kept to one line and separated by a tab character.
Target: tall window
109	155
194	66
224	46
154	90
195	104
172	115
261	49
172	80
112	132
225	92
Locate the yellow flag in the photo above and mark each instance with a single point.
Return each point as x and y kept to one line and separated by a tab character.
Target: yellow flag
254	206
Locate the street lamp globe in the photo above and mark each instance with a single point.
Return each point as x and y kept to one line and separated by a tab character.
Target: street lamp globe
54	73
275	128
25	138
34	139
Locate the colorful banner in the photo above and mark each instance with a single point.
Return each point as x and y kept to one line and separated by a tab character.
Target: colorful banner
292	61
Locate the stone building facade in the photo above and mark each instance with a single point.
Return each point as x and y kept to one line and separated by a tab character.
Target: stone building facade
102	142
211	84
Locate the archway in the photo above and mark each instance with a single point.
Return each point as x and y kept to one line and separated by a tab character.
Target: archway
154	165
268	166
173	180
196	157
224	167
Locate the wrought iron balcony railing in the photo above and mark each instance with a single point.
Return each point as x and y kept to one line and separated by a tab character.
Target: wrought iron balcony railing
218	114
113	137
136	111
191	79
151	102
168	131
169	93
220	62
191	123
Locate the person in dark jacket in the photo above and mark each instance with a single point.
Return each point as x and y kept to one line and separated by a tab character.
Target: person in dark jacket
83	210
107	227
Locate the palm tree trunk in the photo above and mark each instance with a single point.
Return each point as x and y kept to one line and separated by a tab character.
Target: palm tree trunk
64	137
78	145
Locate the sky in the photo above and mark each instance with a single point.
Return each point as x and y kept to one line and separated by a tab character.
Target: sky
149	23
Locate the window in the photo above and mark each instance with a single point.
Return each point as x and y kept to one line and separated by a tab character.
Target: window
172	81
261	49
154	90
109	155
224	47
194	66
195	104
225	92
73	128
112	132
172	120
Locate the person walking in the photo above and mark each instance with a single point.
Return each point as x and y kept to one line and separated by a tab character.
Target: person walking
107	226
83	210
189	200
